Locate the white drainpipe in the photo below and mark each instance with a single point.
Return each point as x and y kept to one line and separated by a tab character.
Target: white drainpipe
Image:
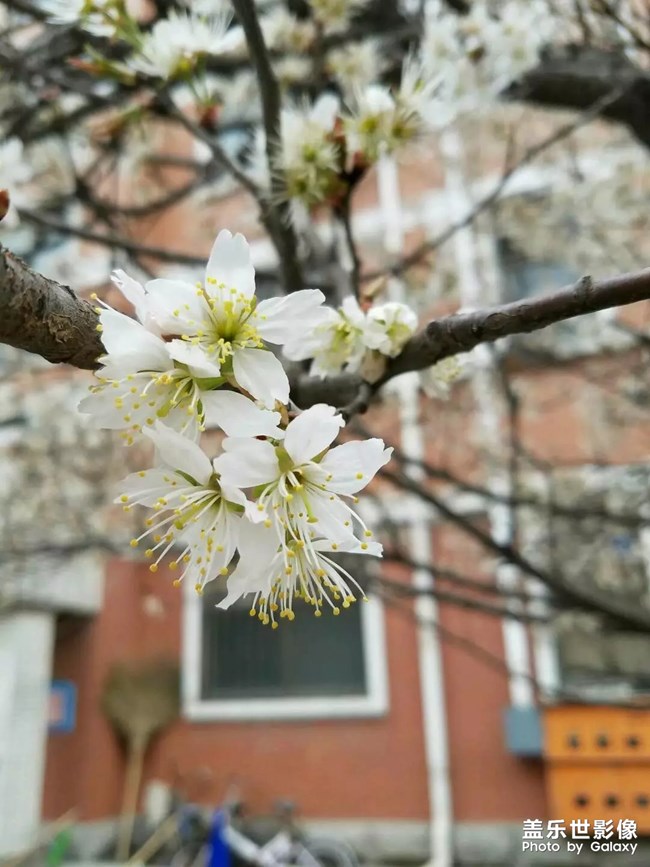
429	651
489	400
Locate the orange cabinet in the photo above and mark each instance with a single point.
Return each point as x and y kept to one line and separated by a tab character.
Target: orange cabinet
598	763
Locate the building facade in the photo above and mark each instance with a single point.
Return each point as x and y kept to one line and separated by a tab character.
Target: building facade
414	726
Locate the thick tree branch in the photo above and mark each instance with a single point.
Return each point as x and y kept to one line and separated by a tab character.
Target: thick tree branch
575	77
44	317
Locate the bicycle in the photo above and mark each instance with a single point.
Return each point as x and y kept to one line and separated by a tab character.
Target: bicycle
226	829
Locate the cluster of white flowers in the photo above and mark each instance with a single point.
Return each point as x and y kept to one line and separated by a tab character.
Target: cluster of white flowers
334	15
462	62
341	340
310	155
355	66
278	494
320	143
477	55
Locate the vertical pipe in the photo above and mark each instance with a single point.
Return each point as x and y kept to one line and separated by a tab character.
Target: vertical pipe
489	401
431	670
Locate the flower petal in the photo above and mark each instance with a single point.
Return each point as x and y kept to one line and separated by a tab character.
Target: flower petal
353	312
230	263
312	432
176	307
331	517
144	487
122	335
238	416
261	374
132	291
253	511
277	318
199	363
351	545
258	547
247	462
134	363
180	453
353	465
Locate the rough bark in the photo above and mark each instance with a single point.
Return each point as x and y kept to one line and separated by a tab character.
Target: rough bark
49	319
44	317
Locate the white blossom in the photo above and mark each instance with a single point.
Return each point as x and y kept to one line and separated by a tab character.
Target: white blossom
335	344
334	15
301	485
219	328
196	515
277	575
419	105
293	70
174	44
355	66
145	378
91	15
514	45
369	127
436	381
309	156
284	32
441	47
389	326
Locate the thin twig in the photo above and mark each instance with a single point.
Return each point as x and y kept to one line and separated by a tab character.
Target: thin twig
276	212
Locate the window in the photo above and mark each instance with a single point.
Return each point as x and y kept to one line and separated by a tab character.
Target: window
312	656
525	277
235	668
594	658
546	239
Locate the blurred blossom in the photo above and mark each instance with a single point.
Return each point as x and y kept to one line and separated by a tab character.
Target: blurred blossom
388	327
284	32
174	44
309	156
91	15
355	66
334	15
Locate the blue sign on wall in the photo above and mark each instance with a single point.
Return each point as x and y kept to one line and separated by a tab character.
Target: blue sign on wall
63	706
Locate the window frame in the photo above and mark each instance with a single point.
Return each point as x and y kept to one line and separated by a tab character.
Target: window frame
374	703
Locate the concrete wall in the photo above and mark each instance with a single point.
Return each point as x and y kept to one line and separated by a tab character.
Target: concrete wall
25	659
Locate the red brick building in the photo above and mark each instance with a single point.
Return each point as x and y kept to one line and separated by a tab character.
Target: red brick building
410	728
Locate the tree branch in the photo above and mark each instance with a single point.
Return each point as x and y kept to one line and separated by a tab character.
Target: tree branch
276	212
44	317
575	77
461	332
600	602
